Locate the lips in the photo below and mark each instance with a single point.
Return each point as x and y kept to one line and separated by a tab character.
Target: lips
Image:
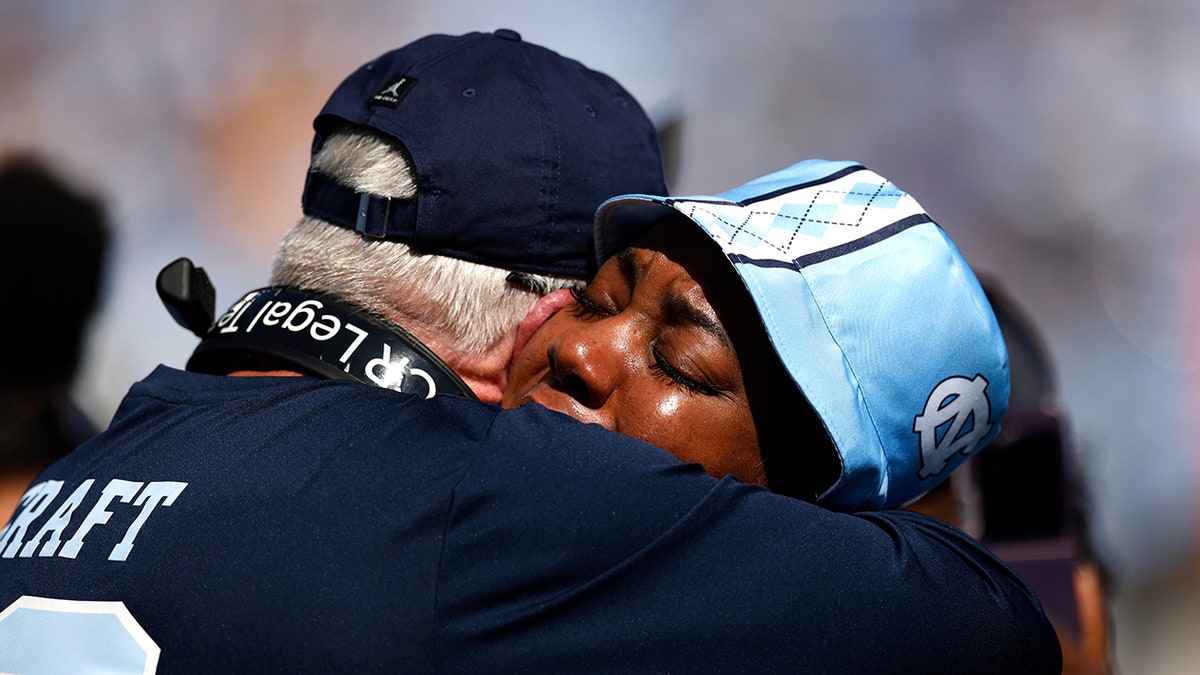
539	314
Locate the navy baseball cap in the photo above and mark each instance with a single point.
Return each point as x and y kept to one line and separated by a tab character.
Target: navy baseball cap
514	145
870	307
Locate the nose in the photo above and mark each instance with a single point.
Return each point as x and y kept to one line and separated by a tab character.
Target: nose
586	362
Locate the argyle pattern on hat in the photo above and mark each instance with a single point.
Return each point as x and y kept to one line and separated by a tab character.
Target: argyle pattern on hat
792	226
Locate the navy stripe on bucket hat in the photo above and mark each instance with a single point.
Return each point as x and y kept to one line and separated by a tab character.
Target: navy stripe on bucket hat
870	306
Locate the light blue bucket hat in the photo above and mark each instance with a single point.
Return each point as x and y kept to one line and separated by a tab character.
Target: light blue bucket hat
870	307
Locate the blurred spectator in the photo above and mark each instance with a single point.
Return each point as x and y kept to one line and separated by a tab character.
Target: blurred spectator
55	238
1023	498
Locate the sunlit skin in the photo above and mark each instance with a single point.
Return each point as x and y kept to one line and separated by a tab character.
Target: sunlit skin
645	351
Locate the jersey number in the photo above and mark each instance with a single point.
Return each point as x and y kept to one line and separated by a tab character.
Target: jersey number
46	635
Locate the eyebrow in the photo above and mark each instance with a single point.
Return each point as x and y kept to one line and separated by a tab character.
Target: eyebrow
629	267
677	308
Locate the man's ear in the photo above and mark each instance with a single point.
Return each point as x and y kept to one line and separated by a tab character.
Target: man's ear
539	314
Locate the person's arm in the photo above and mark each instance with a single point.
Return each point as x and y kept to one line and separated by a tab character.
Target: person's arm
570	548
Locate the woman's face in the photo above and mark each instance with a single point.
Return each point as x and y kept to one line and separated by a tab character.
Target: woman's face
645	351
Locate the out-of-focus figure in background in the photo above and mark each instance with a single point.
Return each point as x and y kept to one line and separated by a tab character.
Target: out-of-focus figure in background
1024	498
55	239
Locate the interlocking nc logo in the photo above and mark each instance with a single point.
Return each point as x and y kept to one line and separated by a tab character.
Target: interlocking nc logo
953	403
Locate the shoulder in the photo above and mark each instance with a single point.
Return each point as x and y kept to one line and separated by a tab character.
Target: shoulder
559	519
305	401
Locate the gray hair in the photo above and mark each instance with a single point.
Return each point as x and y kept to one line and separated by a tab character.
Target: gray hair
470	306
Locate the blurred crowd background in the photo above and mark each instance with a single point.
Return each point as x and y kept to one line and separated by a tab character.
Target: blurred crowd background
1057	141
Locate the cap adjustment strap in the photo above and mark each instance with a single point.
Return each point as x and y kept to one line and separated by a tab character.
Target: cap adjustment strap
369	214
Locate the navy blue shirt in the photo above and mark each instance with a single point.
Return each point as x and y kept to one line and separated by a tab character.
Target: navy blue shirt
271	524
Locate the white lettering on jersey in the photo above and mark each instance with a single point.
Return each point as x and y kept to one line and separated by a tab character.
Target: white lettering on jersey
99	514
33	502
57	523
161	492
145	496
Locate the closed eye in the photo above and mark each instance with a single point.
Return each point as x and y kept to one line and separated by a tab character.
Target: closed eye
586	308
664	369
